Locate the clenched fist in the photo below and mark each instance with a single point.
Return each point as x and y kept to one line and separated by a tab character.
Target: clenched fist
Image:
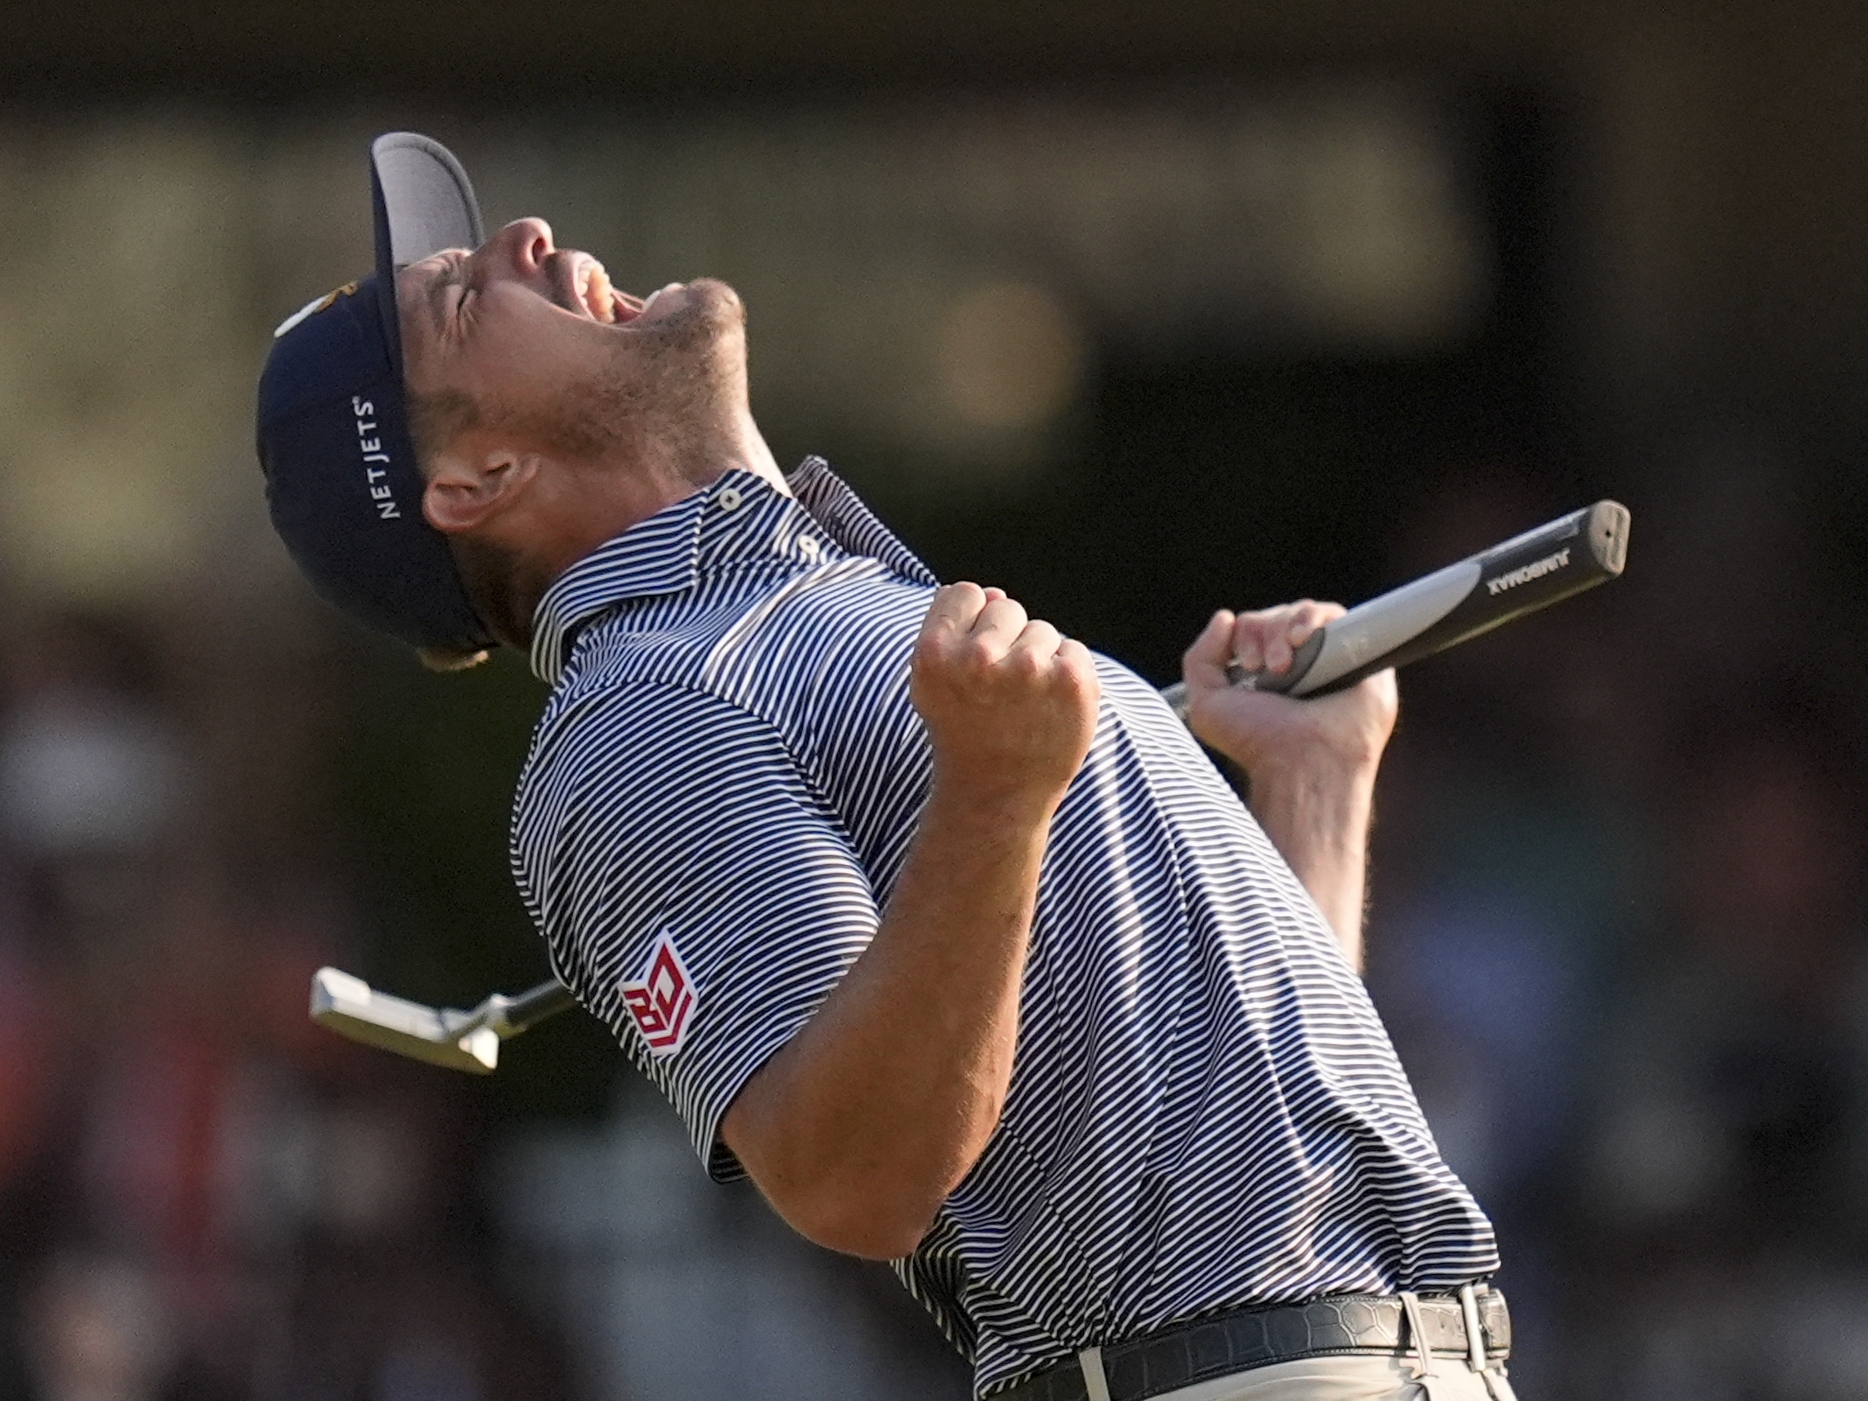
1009	704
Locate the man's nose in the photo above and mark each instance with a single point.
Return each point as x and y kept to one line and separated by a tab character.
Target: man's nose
522	246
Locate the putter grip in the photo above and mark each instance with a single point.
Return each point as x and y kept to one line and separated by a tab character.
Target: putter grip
1442	609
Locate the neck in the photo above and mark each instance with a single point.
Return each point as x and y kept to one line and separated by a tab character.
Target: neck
741	448
594	503
504	585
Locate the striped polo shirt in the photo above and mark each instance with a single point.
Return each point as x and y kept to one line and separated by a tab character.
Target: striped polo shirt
1205	1111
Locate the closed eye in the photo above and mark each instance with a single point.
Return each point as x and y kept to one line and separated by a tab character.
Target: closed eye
452	274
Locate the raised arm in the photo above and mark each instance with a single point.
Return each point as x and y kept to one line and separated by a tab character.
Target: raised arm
1312	762
869	1117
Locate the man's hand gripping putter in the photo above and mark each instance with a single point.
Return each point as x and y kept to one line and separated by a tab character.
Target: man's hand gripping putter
1442	609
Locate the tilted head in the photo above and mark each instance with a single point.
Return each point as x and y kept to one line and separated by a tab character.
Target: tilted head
444	437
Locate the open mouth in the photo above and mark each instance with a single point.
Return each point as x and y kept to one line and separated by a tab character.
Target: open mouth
592	294
583	286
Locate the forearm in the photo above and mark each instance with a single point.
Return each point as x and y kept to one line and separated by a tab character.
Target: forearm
1311	763
1318	816
860	1127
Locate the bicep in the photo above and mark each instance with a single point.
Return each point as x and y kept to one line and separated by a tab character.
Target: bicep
697	891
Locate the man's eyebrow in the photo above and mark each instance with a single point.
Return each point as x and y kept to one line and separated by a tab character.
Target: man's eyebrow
436	293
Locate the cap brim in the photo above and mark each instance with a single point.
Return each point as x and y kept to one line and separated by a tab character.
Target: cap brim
424	203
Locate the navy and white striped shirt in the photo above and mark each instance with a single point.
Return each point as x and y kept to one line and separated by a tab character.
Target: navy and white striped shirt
1205	1110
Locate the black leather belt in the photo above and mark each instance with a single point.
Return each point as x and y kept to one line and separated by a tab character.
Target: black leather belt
1342	1324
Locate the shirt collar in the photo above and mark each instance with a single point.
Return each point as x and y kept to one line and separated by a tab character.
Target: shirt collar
664	554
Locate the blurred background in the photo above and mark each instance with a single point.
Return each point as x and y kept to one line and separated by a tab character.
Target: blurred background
1133	310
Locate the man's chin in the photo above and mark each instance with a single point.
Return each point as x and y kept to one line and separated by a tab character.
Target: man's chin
703	316
712	299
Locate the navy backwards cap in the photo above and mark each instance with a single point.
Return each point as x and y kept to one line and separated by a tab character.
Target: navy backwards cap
342	482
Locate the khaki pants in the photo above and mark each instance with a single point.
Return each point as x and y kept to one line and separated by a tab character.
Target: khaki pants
1353	1379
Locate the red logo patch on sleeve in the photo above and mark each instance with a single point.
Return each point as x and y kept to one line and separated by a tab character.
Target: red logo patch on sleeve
663	1002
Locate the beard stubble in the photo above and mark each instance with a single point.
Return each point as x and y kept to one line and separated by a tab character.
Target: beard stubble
665	399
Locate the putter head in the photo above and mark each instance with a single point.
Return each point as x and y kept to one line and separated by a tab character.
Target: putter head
350	1007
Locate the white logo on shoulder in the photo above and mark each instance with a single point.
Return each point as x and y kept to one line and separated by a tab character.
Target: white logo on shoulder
663	1002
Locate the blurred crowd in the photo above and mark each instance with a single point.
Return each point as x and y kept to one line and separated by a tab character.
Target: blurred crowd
202	1195
1618	935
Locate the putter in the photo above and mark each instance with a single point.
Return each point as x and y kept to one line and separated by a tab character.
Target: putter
1429	615
441	1036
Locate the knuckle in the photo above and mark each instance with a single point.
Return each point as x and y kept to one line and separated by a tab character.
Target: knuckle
958	602
1011	613
1081	666
974	653
1025	666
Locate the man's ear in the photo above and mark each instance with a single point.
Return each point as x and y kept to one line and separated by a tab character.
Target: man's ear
466	490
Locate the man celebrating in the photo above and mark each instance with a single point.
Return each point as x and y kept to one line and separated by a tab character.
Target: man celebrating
933	922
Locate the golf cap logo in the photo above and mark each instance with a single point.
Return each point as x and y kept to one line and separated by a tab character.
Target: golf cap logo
313	307
375	460
663	1002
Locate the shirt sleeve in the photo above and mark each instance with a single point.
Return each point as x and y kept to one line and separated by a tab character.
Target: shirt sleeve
695	890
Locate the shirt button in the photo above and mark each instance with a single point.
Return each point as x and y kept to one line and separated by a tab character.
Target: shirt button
728	499
807	547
